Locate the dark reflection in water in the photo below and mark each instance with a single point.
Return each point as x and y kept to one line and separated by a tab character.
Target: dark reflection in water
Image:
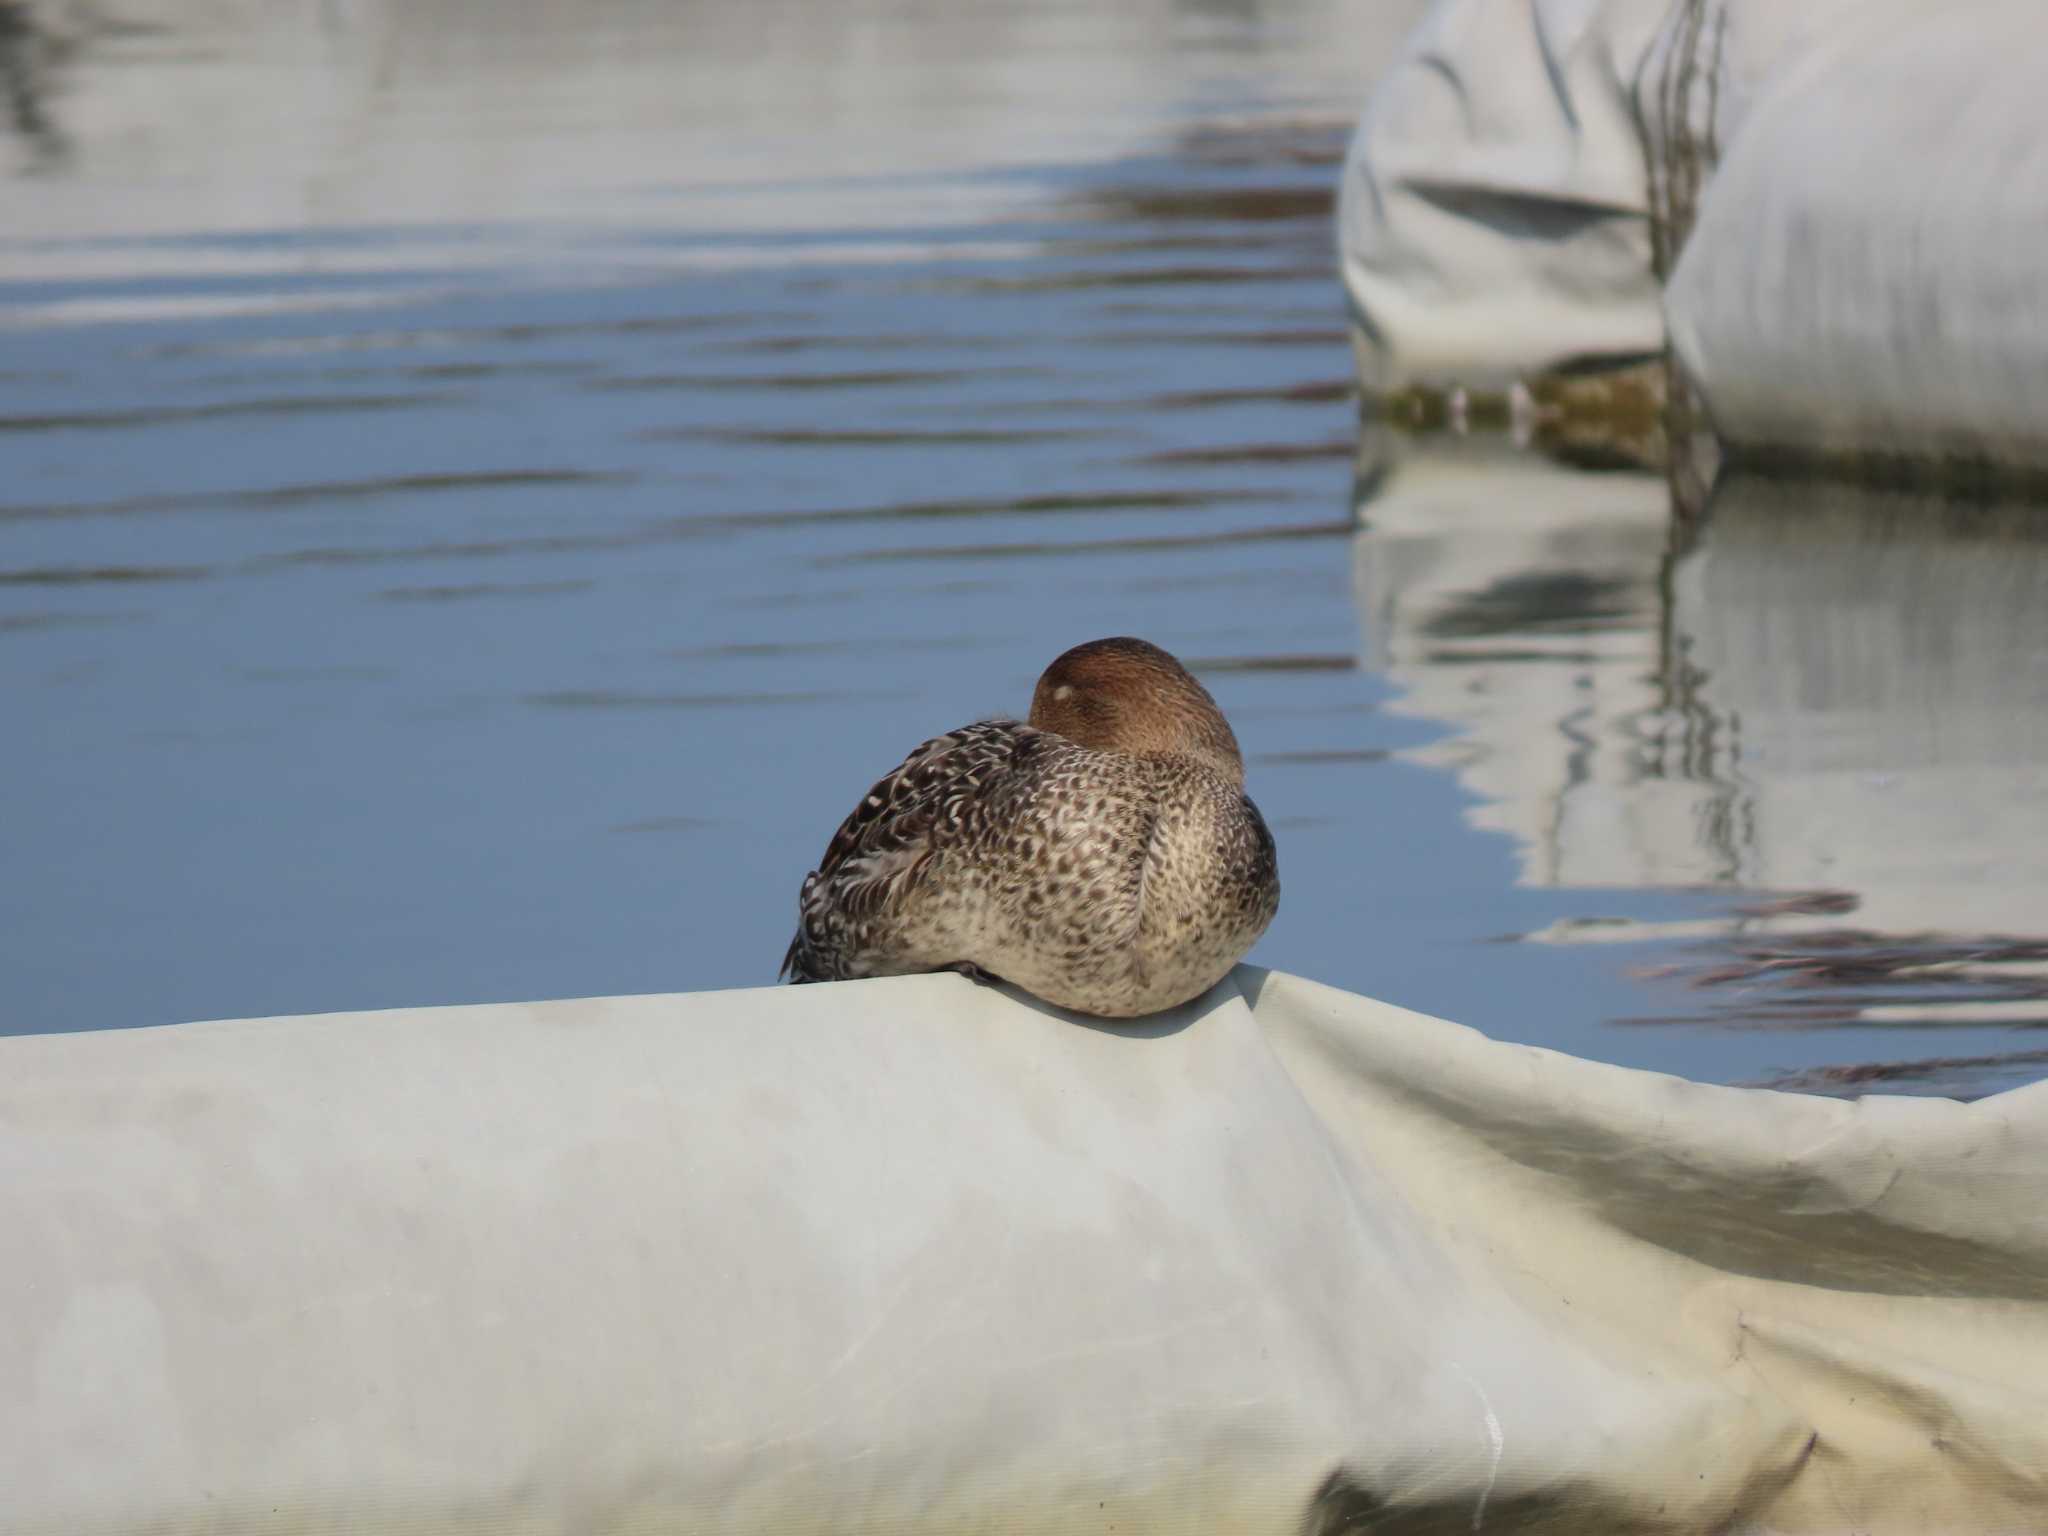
1870	672
273	497
1833	696
31	56
478	502
178	415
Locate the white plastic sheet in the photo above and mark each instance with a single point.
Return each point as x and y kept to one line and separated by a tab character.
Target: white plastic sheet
1865	275
912	1255
1493	215
1847	197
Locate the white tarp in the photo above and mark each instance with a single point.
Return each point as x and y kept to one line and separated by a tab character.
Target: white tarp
1848	197
1865	275
911	1255
1493	214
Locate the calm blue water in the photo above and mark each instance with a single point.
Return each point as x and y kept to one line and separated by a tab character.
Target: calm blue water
480	554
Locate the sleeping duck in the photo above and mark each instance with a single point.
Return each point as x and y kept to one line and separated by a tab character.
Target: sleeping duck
1102	855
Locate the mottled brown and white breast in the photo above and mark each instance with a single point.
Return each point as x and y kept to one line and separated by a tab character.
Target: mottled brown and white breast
1211	886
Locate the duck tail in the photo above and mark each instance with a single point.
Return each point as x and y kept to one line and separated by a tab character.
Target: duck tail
795	962
800	960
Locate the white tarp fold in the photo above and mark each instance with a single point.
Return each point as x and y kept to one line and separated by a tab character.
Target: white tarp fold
912	1255
1493	212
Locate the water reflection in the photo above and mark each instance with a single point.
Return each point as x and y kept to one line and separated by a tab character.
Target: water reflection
1833	701
1880	663
379	148
1521	602
31	56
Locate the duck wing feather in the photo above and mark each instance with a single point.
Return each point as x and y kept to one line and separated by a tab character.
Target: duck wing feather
924	803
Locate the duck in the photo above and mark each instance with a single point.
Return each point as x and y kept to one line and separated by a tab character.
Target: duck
1101	854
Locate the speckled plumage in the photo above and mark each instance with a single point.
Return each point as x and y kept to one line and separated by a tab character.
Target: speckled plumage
1117	874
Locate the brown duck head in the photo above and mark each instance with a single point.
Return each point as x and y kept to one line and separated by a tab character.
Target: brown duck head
1129	696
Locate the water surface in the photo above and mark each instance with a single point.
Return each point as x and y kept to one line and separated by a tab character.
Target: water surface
480	499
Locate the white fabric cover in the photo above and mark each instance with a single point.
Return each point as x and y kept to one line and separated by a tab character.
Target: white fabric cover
1493	211
1865	273
1857	190
911	1255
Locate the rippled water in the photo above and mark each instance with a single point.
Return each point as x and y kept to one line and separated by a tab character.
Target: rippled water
482	489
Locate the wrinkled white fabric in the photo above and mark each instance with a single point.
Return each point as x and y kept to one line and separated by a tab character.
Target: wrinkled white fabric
1864	276
1852	192
1711	60
1493	211
913	1255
